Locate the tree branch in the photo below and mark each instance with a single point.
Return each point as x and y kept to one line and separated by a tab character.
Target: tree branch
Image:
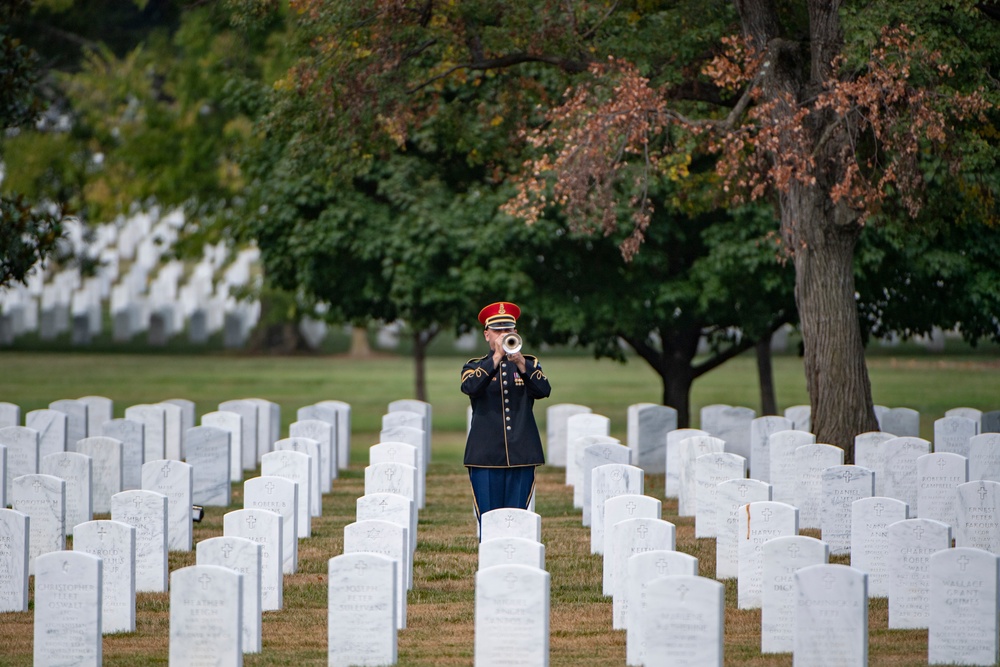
569	65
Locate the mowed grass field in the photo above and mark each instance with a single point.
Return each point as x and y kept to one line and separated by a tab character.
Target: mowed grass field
441	605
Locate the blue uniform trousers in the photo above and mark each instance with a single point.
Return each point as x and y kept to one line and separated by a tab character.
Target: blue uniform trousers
494	488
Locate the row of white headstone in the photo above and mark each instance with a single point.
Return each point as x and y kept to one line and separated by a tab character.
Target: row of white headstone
758	542
141	290
260	541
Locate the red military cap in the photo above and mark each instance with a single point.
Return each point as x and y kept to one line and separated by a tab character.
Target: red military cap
499	315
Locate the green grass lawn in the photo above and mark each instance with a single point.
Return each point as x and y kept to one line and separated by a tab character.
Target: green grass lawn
440	620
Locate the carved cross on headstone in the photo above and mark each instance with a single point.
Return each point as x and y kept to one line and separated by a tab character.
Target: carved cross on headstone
269	487
641	531
165	470
963	562
389	473
137	502
879	508
829	580
918	532
766	514
226	550
392	453
941	464
65	567
682	590
982	492
848	476
361	565
606	453
509	519
511	579
793	550
251	521
510	550
36	485
743	490
630	507
661	567
101	530
204	580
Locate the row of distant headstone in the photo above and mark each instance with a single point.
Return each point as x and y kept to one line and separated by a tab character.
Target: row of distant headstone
818	611
141	292
260	541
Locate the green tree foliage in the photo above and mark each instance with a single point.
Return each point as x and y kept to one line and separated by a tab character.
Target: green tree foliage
29	228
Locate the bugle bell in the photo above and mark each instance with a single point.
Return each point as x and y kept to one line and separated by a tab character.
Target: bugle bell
511	343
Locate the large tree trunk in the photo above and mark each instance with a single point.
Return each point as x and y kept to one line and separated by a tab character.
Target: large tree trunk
836	374
421	341
765	377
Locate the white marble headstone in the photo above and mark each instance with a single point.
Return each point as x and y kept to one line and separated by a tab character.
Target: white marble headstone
731	497
811	461
298	467
631	537
938	475
759	522
67	624
984	457
598	455
733	426
911	544
51	426
578	425
247	410
76	422
396	478
785	473
963	619
268	424
684	621
114	543
870	453
175	480
641	569
690	449
512	616
870	520
43	499
842	485
608	481
761	430
648	425
75	469
10	414
672	481
311	495
13	560
831	616
206	616
99	410
280	495
710	471
511	551
782	557
244	556
206	450
107	457
801	417
977	520
900	422
263	527
620	508
342	433
555	431
146	511
154	421
325	436
511	522
387	539
415	437
390	507
23	451
899	478
173	431
952	434
361	609
130	434
232	422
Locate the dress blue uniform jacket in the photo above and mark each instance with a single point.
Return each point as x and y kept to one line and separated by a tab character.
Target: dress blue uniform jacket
503	432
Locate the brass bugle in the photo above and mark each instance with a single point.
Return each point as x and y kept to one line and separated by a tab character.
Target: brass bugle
512	343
